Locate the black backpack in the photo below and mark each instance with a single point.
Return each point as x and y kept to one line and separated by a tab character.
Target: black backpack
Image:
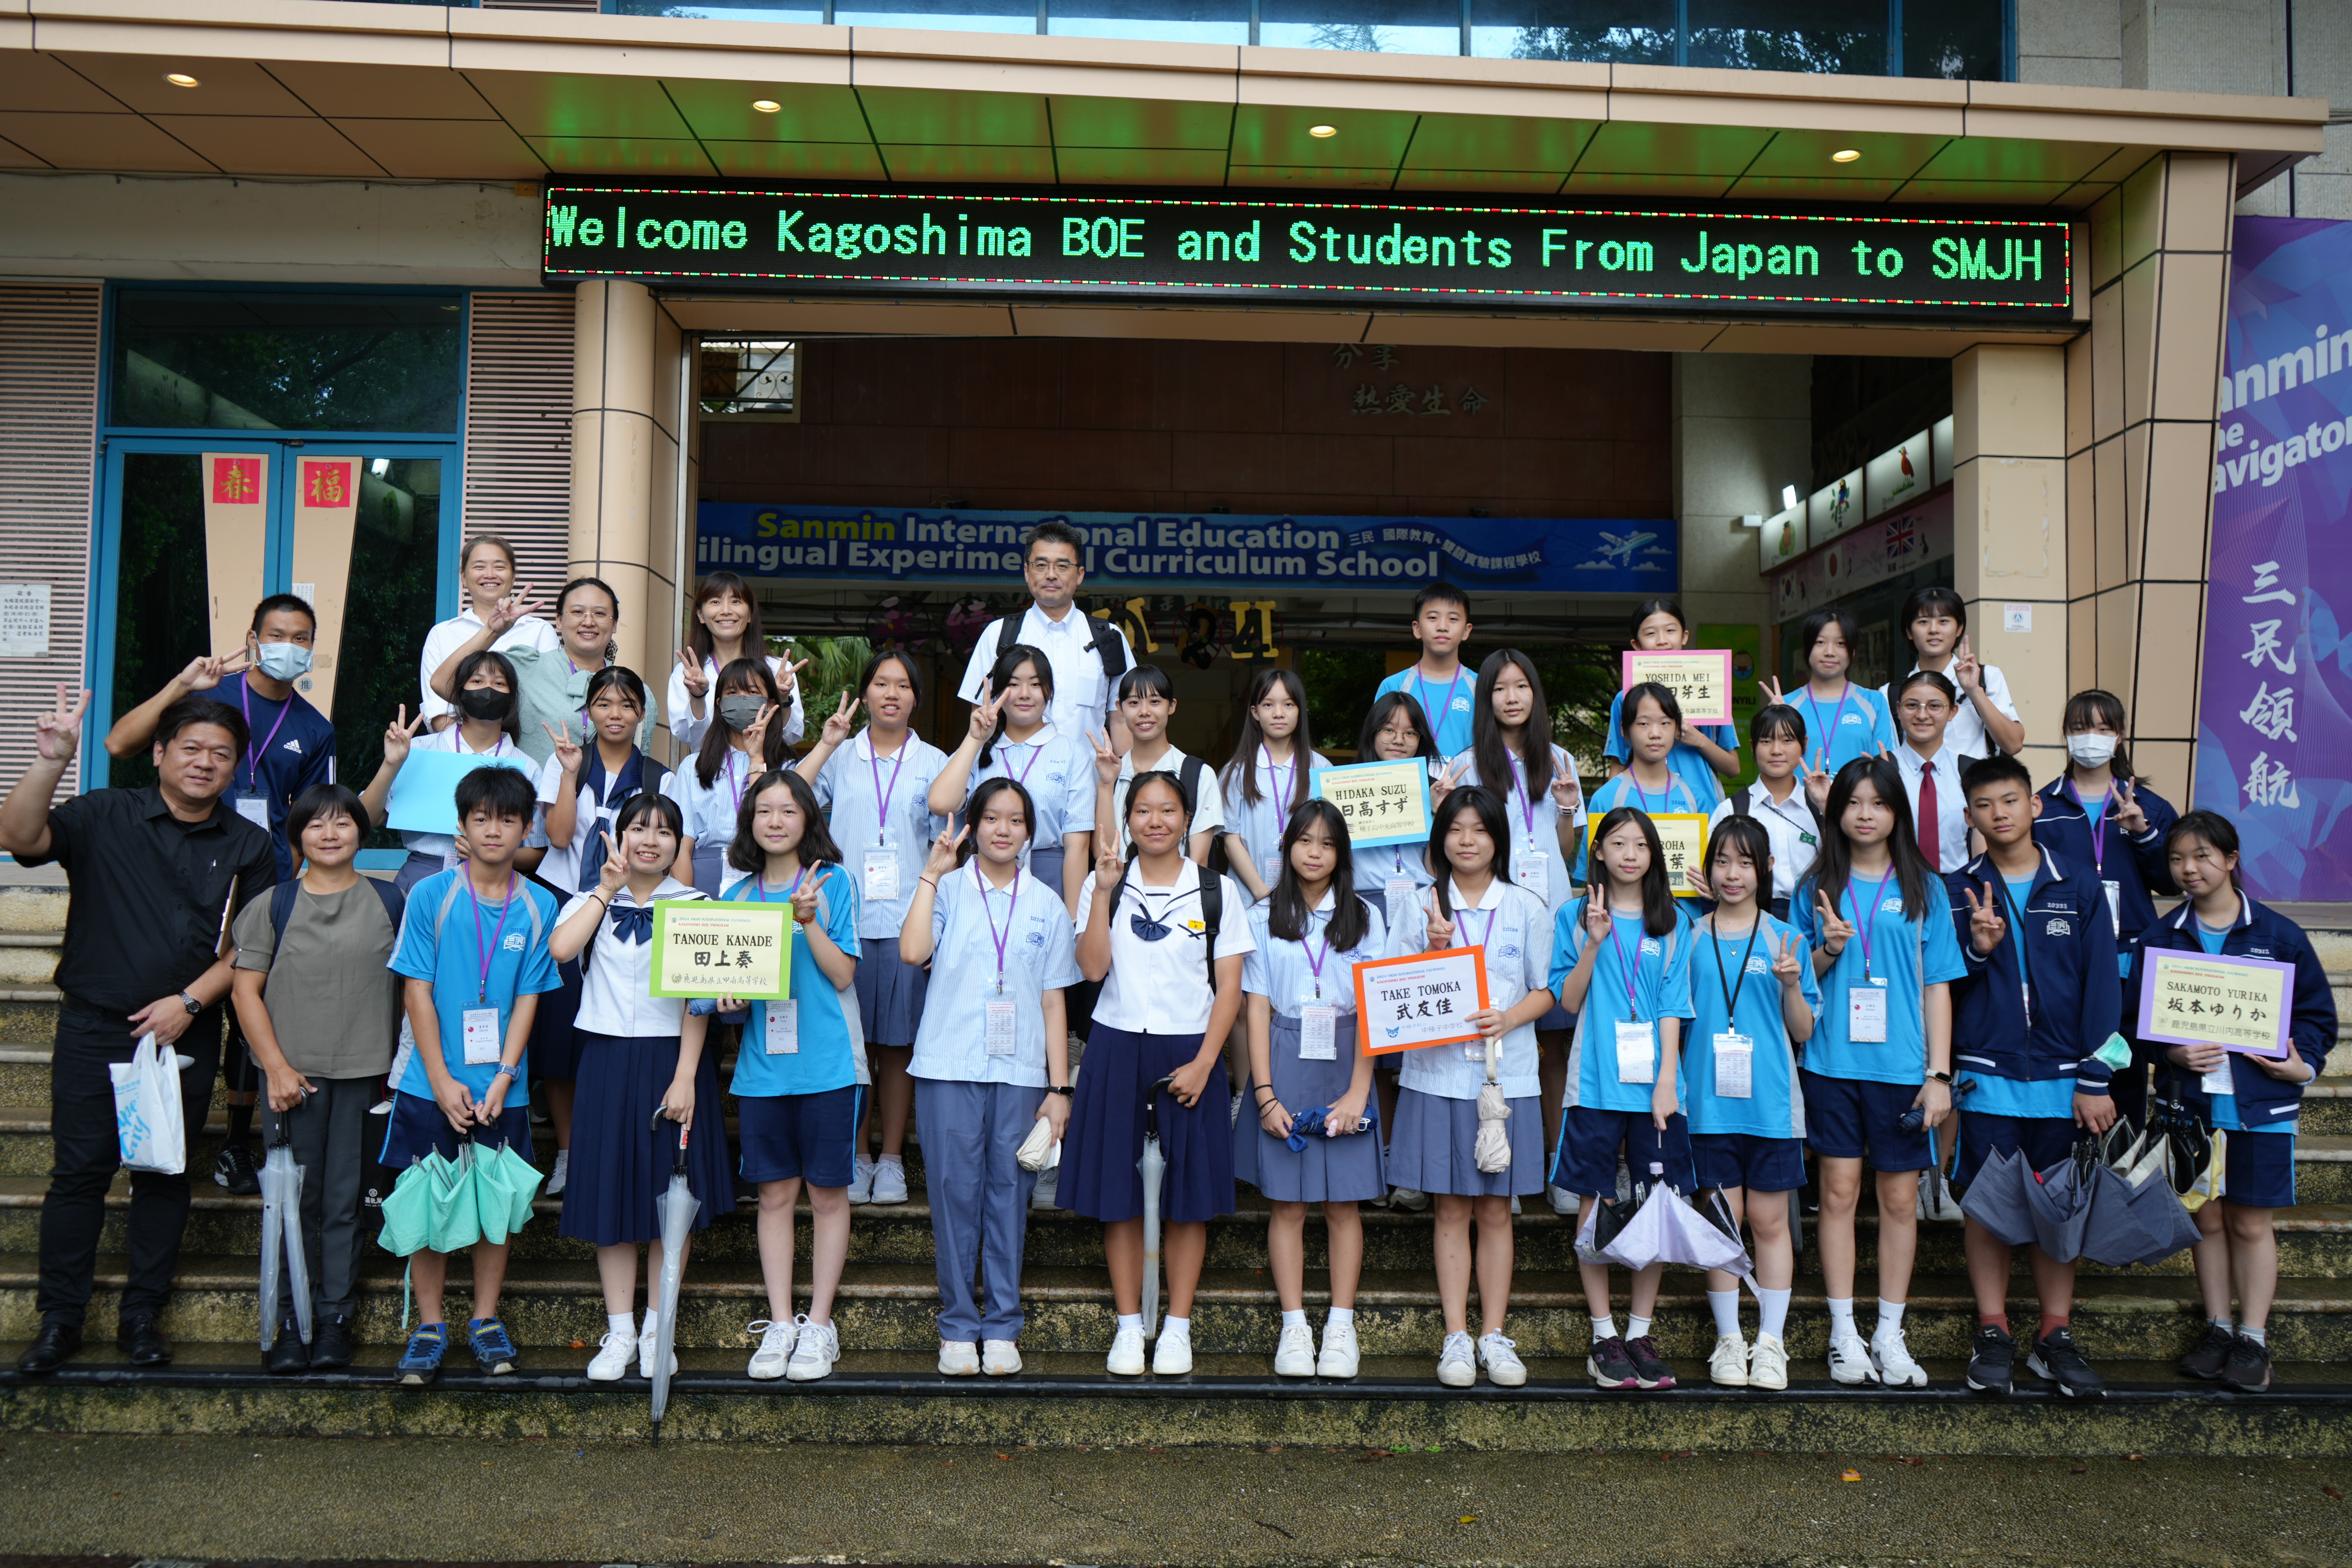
1104	640
281	904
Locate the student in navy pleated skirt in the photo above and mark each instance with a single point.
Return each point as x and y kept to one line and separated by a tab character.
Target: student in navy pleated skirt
1165	937
639	1055
1305	1057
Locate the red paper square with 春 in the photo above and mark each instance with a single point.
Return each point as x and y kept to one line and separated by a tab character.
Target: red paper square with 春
236	481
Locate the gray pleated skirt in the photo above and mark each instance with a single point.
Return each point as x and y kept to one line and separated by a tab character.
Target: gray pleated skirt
1431	1147
1346	1169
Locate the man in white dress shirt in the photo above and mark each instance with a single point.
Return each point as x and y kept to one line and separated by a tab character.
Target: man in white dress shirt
1088	654
1986	722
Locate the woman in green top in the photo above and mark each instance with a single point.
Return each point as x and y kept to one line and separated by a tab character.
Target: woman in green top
554	684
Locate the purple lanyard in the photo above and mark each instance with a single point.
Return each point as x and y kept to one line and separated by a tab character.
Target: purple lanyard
1036	750
1281	791
740	786
253	758
882	796
1527	801
1862	915
482	992
1011	905
1437	719
1665	795
1814	708
2098	824
1314	960
1488	932
1633	972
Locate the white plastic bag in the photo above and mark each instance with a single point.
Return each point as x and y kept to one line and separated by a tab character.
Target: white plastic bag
147	1118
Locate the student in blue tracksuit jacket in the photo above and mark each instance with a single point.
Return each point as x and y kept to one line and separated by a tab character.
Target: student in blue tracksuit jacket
2098	815
2026	1025
2254	1103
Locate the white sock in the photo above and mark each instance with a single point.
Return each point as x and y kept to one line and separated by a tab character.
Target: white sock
1840	1318
1774	1315
1340	1317
1130	1320
1293	1319
2225	1324
1890	1319
1725	1305
1182	1328
893	1160
1604	1328
621	1323
652	1321
1635	1327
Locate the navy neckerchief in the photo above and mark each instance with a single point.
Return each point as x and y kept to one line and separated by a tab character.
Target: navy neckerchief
633	922
622	786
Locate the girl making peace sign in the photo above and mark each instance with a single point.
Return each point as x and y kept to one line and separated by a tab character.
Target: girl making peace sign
746	740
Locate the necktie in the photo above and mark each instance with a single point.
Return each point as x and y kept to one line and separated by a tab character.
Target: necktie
1929	848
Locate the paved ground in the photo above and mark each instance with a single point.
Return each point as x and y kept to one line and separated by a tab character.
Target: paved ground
221	1500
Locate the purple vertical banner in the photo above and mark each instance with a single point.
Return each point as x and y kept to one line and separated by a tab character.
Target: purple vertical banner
2274	721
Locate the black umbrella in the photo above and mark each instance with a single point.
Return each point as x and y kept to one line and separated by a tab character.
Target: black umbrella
1996	1199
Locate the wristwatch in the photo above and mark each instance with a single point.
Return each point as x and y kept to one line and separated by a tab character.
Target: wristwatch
1943	1077
515	1073
1069	1088
193	1005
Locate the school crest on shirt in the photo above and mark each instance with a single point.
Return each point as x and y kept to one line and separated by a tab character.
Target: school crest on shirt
2058	928
1508	950
513	943
1649	946
1893	906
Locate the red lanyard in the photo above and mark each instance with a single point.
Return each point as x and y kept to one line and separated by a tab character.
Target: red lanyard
482	992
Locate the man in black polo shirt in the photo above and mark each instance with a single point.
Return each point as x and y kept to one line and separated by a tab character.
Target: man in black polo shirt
155	874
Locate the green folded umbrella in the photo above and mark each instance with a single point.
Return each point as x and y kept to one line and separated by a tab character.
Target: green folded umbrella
504	1184
408	1212
456	1222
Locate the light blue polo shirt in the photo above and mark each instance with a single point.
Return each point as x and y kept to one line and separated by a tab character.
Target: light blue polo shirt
1907	955
1686	759
1855	726
1450	729
448	951
1285	972
1041	954
853	789
827	1059
1775	1108
1260	826
1659	988
1057	771
1623	791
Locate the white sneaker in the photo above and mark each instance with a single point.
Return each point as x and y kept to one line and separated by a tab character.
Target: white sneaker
889	1182
1891	1359
1727	1367
1048	1184
1172	1355
1515	1208
612	1359
818	1347
1234	1112
555	1187
861	1180
1850	1361
1339	1357
1295	1357
1563	1201
958	1358
646	1357
1126	1358
1457	1363
1412	1200
1768	1363
999	1358
775	1347
1500	1357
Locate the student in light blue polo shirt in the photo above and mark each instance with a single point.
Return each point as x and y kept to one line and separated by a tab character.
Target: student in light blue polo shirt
1445	688
992	1060
1620	959
1880	926
1844	720
1755	1000
1704	755
1013	736
798	1075
1267	778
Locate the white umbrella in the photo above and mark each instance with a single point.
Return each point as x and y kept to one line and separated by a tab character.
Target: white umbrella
1153	1168
1492	1150
281	1238
678	1206
1666	1229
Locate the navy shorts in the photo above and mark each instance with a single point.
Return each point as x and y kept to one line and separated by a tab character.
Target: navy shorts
1589	1141
810	1136
417	1128
2045	1141
2258	1170
1851	1119
1745	1159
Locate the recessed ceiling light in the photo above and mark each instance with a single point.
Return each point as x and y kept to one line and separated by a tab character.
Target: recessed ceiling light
179	78
766	105
1845	155
1322	130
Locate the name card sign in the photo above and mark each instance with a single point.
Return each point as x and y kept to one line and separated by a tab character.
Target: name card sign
1383	802
1424	999
706	948
2240	1005
1700	680
1682	836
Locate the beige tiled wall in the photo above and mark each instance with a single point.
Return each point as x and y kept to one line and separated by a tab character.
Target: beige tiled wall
623	455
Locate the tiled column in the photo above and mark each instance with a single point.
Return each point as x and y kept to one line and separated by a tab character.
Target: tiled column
624	463
1742	428
2009	526
2139	444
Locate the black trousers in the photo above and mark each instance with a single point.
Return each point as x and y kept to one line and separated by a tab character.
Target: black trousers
81	1117
329	1133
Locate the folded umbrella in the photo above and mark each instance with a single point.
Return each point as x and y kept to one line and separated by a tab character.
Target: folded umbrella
504	1184
282	1237
2193	1155
678	1207
1152	1166
2115	1233
1667	1229
455	1220
1313	1121
1996	1199
2058	1201
407	1210
1935	1200
2146	1169
1491	1150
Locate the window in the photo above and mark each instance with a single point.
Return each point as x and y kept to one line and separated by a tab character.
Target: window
749	380
201	359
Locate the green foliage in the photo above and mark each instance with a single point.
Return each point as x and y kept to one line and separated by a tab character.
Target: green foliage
1340	686
834	665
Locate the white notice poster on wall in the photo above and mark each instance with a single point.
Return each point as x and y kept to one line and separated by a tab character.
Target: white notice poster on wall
24	620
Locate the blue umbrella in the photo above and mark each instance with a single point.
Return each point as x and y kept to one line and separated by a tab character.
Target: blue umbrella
1996	1199
2058	1203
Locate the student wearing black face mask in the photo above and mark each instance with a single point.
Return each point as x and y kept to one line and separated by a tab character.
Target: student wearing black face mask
487	727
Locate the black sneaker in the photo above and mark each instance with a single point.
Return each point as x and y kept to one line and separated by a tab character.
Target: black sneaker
233	1168
2249	1367
1650	1368
1609	1365
2055	1359
289	1354
1992	1367
2211	1354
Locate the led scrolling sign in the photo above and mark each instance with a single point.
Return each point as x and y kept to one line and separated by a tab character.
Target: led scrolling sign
901	241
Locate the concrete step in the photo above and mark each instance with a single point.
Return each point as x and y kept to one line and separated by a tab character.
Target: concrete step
1066	1400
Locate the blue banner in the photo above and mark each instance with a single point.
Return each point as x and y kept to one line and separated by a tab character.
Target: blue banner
904	545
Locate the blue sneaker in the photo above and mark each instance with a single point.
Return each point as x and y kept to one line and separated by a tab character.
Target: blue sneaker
420	1363
494	1352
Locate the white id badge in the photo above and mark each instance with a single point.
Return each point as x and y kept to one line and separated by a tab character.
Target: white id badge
1532	871
881	875
1000	1028
1865	1013
1636	1062
1735	1067
1269	869
482	1041
784	1027
1318	1033
1402	894
2114	904
2219	1080
253	808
